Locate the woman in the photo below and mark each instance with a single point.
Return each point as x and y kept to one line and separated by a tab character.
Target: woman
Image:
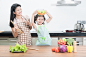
22	23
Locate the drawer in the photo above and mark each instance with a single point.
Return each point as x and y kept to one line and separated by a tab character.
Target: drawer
80	43
13	39
34	41
79	39
4	41
54	41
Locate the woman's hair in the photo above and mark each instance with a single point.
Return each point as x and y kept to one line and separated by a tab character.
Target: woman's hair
36	16
12	16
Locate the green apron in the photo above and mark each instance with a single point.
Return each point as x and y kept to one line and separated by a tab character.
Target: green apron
43	36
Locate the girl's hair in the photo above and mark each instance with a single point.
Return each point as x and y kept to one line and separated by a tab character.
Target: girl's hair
12	16
36	16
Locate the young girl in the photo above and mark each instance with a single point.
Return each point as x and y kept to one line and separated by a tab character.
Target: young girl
43	34
22	23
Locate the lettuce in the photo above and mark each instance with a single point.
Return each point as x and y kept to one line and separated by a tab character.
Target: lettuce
18	48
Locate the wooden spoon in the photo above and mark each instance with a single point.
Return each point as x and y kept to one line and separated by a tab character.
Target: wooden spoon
18	28
33	49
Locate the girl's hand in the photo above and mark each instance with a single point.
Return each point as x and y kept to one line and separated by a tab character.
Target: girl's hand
50	17
35	12
46	12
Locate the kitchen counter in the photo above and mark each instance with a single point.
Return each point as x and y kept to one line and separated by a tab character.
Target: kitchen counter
43	52
6	37
52	34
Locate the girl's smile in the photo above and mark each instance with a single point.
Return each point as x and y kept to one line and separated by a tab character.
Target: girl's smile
40	20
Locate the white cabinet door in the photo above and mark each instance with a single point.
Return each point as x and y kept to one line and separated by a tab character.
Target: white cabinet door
12	41
84	41
34	39
54	41
4	41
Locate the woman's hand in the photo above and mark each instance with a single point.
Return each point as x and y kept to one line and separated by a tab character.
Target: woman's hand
14	30
16	27
27	22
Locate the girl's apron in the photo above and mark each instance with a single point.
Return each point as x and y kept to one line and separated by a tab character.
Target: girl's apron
43	36
25	37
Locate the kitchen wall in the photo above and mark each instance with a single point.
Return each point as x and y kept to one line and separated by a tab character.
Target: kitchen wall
64	17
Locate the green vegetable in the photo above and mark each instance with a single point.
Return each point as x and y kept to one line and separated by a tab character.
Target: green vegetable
70	41
18	48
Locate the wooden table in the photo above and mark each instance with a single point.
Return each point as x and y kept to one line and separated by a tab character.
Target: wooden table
44	51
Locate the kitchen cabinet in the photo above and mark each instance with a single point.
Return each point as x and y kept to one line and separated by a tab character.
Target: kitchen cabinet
7	41
34	40
4	41
84	40
6	38
12	41
53	40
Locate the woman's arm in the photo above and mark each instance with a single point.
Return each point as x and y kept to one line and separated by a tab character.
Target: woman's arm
28	23
50	17
32	19
14	31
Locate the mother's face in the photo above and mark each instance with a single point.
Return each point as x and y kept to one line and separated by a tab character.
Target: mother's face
18	11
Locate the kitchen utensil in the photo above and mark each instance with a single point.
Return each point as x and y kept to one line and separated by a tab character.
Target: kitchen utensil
74	46
79	27
33	49
41	12
1	31
18	28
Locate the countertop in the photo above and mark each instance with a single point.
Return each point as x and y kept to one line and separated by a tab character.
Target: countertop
44	51
52	34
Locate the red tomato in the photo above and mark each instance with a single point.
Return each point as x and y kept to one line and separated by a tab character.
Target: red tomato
53	49
57	50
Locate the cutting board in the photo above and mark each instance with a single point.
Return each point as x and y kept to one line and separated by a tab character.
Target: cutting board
1	31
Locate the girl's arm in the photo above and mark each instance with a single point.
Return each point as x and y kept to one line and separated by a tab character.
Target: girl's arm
14	31
50	17
32	19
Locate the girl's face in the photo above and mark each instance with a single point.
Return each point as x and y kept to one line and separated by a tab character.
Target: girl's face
40	20
18	11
